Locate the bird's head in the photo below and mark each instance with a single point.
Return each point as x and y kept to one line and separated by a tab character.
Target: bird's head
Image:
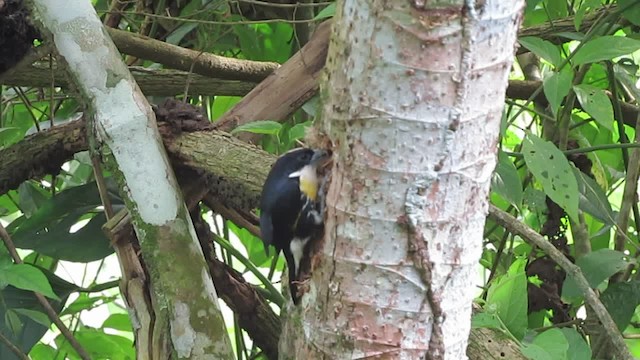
306	170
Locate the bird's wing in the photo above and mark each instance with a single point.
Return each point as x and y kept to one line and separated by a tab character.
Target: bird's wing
266	230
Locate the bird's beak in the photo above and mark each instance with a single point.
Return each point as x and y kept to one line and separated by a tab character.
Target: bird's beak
319	157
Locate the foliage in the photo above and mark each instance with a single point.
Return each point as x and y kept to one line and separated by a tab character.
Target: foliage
562	168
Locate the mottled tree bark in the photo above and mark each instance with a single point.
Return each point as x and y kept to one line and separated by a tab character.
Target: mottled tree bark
412	108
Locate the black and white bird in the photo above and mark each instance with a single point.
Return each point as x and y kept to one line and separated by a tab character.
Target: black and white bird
291	208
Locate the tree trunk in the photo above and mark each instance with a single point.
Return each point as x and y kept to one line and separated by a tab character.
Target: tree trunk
412	107
180	317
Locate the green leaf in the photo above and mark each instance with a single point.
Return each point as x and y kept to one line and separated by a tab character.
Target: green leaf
585	7
266	127
596	103
13	322
621	300
486	320
48	230
596	266
32	331
549	345
593	200
118	322
605	48
43	352
298	131
508	296
578	348
632	10
556	87
27	277
327	12
37	316
543	49
85	302
99	345
552	169
506	181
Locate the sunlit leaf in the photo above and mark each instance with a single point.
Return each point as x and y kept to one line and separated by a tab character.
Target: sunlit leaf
508	297
551	167
605	48
596	103
266	127
27	277
549	345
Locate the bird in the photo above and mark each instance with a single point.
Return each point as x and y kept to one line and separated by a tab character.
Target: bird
291	207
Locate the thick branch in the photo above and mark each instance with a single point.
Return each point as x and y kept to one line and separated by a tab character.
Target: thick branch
159	82
188	60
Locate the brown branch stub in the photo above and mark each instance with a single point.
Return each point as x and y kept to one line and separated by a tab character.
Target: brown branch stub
286	89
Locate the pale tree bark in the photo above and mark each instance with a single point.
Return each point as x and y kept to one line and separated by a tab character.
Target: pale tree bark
412	107
186	320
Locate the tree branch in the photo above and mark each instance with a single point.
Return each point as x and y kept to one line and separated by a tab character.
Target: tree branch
610	329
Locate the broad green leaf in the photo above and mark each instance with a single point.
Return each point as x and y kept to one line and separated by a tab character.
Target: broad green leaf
556	9
632	10
486	320
621	300
551	345
37	316
543	49
27	277
506	182
327	12
578	347
298	131
508	296
13	322
593	200
118	321
21	300
86	302
43	352
605	48
266	127
586	6
596	103
47	231
596	266
556	87
552	169
100	345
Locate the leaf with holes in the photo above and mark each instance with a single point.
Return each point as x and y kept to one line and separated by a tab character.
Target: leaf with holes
596	103
552	169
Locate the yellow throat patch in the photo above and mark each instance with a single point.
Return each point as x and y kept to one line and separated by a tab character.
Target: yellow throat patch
308	181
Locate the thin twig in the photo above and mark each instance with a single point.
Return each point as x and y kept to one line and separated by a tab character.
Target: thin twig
591	298
14	349
53	316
